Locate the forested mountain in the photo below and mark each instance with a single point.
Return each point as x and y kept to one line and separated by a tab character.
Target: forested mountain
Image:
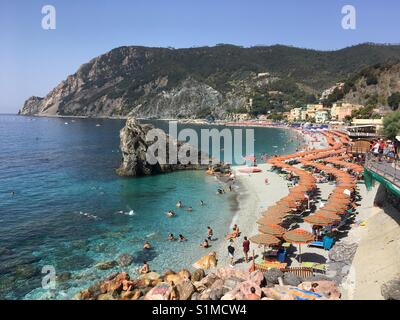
195	82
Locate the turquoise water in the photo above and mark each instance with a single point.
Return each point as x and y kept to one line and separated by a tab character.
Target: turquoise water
71	211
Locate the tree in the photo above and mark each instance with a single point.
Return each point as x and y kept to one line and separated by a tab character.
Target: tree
391	125
394	100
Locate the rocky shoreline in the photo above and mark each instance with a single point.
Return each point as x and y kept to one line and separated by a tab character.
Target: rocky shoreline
223	284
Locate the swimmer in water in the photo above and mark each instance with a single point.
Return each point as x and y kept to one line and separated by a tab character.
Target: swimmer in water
182	238
171	213
190	209
205	244
202	203
171	237
179	204
146	245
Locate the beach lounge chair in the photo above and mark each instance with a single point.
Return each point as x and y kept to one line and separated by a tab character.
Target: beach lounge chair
316	244
320	267
301	272
265	265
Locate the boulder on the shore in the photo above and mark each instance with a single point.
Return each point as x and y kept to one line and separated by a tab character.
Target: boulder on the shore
226	273
343	252
207	262
185	274
272	276
151	276
162	291
198	274
291	279
185	289
391	290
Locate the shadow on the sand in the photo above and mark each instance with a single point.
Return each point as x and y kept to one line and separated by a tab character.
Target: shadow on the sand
312	257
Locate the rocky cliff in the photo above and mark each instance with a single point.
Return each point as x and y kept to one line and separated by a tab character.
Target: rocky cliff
377	86
134	147
196	82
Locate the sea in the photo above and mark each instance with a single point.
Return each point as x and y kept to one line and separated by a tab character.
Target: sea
63	208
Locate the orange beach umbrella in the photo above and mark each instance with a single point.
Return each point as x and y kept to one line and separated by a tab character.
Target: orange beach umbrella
272	229
317	220
298	236
265	240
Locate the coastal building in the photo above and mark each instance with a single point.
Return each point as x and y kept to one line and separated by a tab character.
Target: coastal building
303	115
340	111
310	112
295	114
377	123
322	116
240	117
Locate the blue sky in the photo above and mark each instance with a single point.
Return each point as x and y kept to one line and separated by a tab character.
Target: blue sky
33	60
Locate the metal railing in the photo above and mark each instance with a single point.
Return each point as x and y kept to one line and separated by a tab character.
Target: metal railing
390	170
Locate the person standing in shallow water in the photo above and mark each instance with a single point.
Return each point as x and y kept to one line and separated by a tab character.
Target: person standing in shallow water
209	233
231	253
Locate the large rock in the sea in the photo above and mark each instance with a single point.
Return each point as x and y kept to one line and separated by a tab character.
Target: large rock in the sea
125	260
106	265
135	147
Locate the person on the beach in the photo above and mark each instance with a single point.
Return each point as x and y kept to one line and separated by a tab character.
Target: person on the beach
205	244
252	295
174	295
145	268
246	249
231	253
234	234
209	233
266	181
314	286
146	245
182	238
171	237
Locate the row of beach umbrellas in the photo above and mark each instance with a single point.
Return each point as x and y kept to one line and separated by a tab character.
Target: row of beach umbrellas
270	225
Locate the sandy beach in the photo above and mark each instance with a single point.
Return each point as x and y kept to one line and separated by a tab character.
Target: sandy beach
376	231
255	197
